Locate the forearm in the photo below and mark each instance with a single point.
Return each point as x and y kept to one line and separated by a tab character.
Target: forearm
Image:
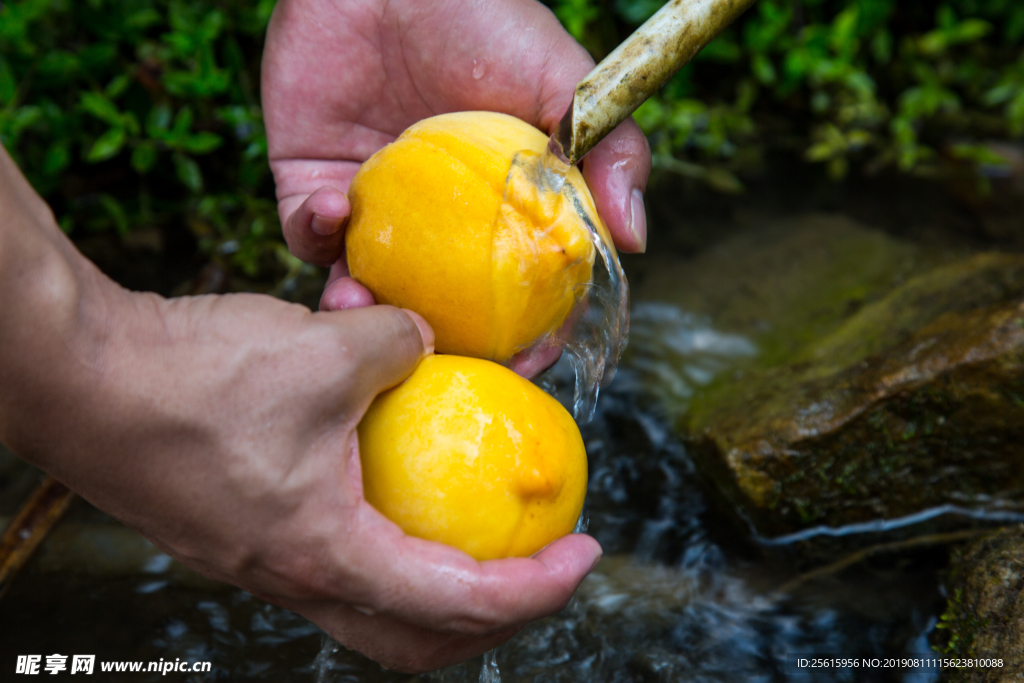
52	306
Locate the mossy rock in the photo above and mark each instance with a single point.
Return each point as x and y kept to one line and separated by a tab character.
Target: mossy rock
984	616
889	380
784	284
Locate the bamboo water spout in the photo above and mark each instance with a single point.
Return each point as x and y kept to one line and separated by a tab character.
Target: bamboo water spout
637	68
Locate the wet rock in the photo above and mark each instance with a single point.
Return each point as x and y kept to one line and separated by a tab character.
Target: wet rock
786	283
985	614
887	379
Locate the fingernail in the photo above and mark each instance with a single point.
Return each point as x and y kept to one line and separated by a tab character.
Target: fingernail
324	226
638	219
426	331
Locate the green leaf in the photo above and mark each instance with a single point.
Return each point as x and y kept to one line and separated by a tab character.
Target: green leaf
1014	27
263	11
881	47
181	44
58	157
23	118
203	143
131	123
211	26
723	180
107	146
980	154
763	69
117	86
143	19
967	31
182	123
180	18
575	15
59	65
116	213
1003	92
101	107
650	115
257	149
98	56
144	157
1015	114
971	30
188	172
844	30
8	86
158	121
722	49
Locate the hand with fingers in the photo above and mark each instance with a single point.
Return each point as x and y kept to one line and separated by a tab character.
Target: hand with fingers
224	429
342	79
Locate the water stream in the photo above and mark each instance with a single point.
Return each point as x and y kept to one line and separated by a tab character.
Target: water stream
598	327
680	596
683	594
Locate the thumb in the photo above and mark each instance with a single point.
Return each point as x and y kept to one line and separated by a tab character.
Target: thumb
382	345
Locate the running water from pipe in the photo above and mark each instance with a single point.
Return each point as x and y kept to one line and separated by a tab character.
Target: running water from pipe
596	334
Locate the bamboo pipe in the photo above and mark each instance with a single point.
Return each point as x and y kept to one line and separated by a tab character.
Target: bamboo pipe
637	68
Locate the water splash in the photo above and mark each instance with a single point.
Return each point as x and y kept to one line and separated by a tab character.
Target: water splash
673	353
582	524
600	329
552	171
596	332
322	663
489	672
600	326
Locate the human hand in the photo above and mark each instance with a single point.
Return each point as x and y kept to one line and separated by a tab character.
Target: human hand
224	429
342	79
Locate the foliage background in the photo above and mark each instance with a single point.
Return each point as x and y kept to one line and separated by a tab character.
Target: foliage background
139	120
868	84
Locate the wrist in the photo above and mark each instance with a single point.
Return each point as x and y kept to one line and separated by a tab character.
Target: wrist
55	309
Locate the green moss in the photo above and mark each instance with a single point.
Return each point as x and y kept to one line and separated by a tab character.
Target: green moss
931	415
958	625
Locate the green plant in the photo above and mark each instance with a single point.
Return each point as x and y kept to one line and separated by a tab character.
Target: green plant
871	83
141	114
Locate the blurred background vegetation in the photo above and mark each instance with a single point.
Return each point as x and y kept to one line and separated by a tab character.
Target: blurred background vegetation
854	84
139	120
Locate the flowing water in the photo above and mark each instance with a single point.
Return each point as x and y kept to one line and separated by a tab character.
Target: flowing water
489	672
684	593
681	595
599	326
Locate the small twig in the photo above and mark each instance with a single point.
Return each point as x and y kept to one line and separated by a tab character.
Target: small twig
865	553
26	532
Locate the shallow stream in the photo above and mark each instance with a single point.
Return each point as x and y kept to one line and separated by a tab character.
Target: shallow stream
683	593
676	598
